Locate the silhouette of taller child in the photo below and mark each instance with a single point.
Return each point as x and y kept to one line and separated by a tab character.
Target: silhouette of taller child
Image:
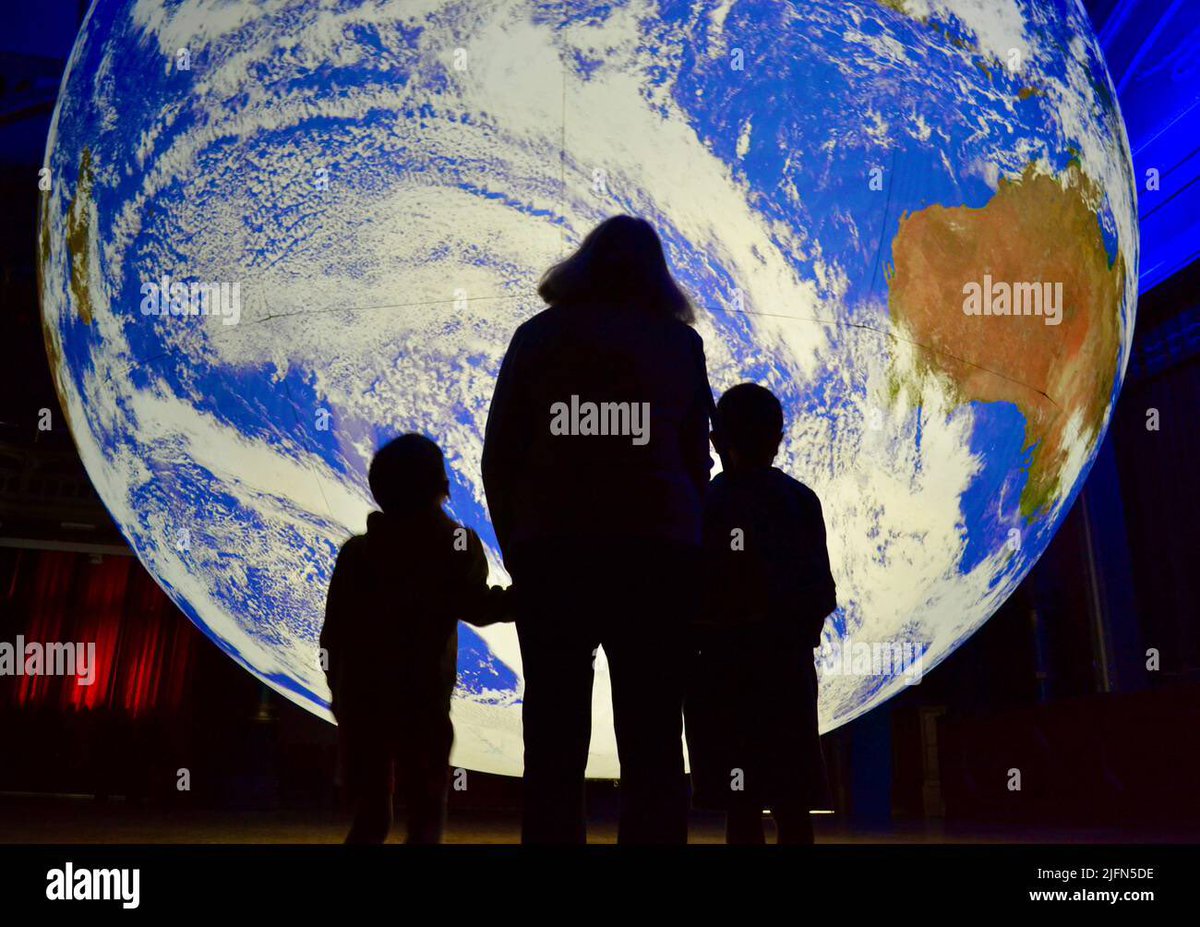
752	703
595	463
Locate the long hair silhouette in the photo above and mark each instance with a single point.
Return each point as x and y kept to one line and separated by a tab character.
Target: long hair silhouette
621	261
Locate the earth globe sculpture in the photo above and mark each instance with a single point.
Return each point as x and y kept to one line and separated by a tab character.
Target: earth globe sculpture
274	235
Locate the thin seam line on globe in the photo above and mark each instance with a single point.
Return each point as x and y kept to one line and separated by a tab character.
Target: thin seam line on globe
711	309
285	315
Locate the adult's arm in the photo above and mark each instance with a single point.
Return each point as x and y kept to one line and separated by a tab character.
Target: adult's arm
694	435
340	607
505	440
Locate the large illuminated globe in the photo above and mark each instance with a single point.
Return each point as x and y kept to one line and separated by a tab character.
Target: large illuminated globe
383	184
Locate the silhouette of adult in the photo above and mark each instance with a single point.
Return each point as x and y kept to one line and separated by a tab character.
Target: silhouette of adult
595	464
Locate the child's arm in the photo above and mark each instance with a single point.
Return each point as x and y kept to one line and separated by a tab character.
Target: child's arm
819	592
483	604
492	606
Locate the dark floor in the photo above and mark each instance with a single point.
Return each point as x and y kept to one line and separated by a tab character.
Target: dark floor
82	819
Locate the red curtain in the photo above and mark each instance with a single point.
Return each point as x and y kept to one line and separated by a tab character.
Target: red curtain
143	646
100	590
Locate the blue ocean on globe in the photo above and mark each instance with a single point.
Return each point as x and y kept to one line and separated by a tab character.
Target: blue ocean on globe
276	234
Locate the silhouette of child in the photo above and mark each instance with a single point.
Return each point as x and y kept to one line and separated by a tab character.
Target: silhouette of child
751	709
391	640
